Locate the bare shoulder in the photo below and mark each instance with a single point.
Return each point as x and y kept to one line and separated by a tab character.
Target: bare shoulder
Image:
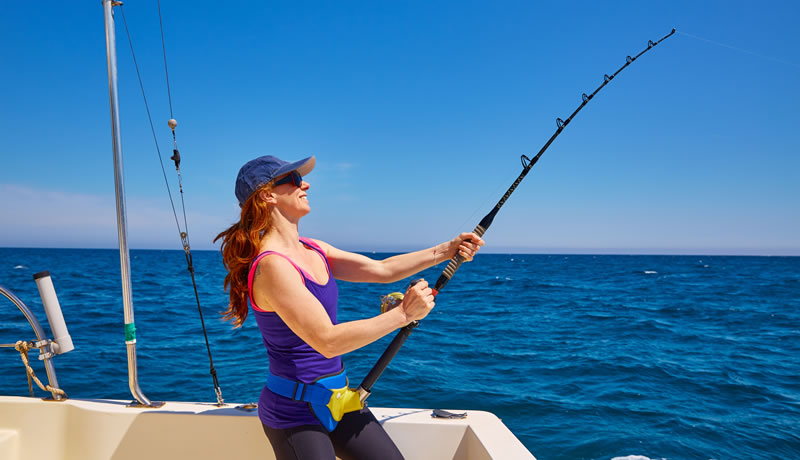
276	283
275	268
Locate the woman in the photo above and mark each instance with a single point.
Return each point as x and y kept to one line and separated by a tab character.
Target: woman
288	281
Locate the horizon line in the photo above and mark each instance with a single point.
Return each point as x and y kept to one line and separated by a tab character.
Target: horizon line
517	250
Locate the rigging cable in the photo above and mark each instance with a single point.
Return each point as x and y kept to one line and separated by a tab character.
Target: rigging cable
184	234
527	163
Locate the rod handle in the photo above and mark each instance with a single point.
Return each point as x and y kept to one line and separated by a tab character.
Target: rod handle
457	260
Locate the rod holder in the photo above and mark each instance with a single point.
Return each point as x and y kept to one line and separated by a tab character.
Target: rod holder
52	308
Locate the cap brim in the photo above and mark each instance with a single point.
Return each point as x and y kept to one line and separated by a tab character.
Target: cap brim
303	167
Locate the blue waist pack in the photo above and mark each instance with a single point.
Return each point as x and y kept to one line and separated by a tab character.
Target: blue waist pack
328	396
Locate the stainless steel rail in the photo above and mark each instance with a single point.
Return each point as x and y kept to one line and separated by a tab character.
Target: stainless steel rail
40	338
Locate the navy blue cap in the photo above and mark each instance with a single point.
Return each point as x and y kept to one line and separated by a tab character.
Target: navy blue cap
256	173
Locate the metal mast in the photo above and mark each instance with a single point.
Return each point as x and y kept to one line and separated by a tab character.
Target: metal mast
122	228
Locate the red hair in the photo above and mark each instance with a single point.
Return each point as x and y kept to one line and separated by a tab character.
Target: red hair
240	245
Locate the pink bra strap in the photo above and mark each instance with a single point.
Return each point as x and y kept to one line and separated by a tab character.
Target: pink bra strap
310	243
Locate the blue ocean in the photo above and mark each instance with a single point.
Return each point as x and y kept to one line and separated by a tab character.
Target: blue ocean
582	356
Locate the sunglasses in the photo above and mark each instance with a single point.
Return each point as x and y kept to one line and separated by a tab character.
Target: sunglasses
293	178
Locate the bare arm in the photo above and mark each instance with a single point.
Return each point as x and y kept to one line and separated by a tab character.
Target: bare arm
278	287
349	266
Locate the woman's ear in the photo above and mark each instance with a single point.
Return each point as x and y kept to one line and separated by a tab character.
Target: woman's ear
267	197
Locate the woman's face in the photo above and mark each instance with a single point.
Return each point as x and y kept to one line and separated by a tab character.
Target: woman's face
290	199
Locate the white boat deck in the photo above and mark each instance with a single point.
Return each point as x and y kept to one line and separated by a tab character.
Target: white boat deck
107	429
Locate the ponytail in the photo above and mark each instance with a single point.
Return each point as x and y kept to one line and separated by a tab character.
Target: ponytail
240	245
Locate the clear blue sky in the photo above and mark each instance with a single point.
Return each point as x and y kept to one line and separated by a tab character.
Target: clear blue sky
417	113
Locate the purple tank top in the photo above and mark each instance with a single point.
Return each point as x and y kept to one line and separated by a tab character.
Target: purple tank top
289	356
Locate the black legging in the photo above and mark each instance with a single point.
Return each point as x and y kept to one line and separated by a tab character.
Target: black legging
358	436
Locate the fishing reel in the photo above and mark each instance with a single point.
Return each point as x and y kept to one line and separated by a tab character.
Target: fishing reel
390	301
394	299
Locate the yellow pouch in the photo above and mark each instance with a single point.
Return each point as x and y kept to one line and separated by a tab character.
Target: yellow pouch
343	400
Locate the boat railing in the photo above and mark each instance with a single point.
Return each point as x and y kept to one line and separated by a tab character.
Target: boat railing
48	349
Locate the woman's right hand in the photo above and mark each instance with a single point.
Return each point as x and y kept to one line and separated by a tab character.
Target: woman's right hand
418	301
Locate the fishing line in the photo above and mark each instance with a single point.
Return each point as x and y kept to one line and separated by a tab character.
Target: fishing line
184	234
527	163
483	204
763	56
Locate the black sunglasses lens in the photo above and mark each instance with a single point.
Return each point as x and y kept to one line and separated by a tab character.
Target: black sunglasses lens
294	177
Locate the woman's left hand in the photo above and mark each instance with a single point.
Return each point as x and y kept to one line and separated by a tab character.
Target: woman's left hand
466	244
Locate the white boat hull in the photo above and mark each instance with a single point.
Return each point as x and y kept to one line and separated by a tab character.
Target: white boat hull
31	428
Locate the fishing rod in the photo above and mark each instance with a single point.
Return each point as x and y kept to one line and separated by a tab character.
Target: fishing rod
365	388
